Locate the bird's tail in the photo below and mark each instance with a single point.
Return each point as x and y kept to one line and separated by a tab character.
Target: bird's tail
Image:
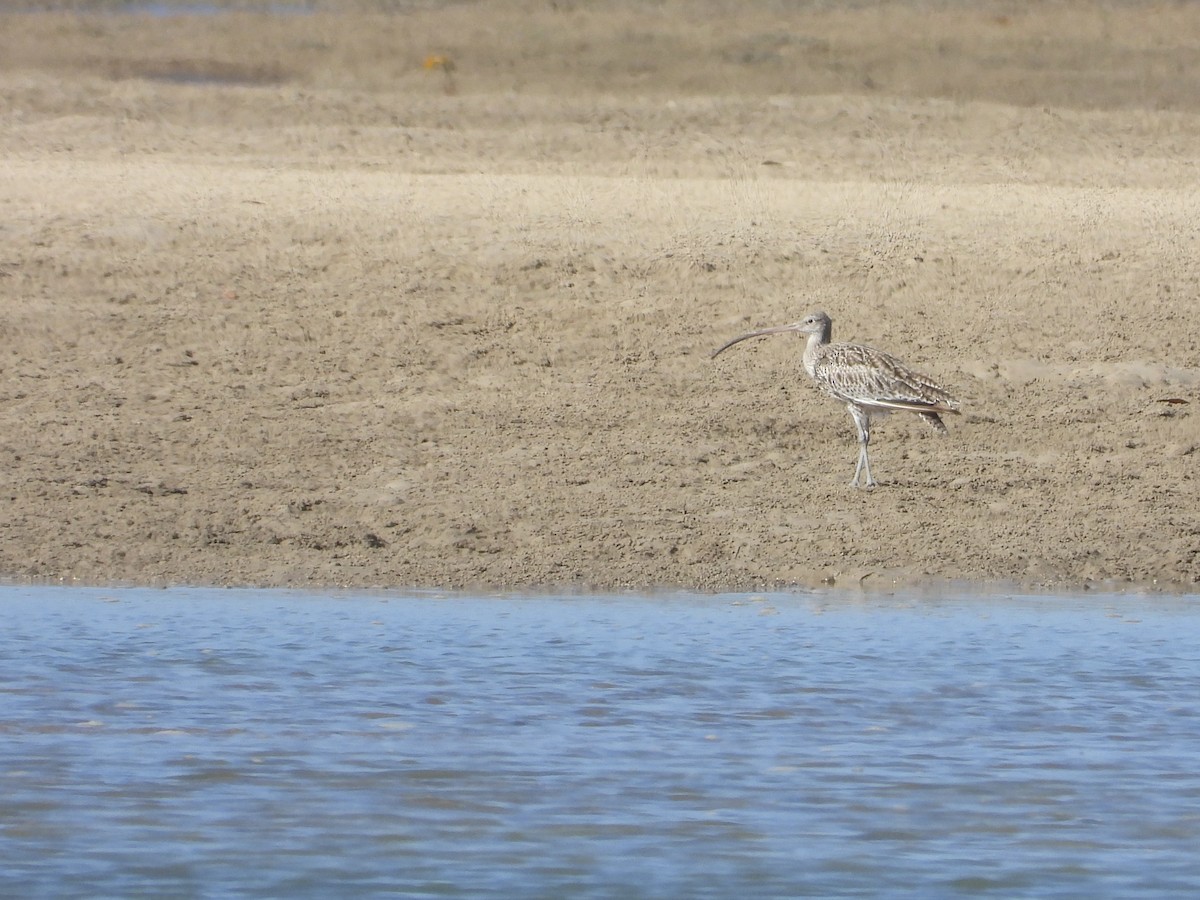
934	421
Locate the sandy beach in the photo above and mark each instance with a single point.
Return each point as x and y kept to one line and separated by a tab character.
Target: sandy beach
424	294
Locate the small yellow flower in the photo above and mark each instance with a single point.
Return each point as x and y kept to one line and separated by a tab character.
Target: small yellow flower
439	61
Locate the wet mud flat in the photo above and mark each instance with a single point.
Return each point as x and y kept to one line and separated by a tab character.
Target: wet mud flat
425	295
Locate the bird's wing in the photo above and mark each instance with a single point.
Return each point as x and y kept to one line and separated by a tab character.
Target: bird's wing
917	406
864	375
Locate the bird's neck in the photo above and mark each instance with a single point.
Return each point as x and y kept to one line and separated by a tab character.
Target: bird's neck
813	349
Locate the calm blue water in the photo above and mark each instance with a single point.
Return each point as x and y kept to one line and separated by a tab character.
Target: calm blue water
212	743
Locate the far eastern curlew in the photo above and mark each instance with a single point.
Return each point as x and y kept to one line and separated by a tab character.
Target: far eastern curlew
870	382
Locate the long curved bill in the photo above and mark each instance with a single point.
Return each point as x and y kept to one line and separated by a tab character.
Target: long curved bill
778	329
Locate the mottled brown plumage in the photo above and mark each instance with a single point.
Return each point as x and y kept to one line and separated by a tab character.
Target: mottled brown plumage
869	381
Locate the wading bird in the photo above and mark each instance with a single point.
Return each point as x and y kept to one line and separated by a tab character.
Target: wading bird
870	382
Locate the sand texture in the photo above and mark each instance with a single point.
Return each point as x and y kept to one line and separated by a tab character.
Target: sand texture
423	294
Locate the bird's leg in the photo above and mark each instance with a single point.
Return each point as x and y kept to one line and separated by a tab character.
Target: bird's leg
862	423
866	464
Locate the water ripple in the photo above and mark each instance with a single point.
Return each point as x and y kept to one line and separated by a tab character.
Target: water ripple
205	743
